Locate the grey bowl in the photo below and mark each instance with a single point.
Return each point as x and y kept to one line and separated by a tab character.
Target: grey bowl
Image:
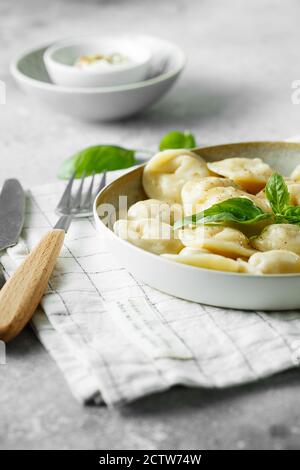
106	103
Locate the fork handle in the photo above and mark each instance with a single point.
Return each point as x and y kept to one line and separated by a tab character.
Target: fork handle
22	293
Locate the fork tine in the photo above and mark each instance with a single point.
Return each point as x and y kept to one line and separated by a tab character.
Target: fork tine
78	205
66	198
101	184
88	197
77	198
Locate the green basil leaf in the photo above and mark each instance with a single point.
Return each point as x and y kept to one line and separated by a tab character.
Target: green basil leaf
277	193
292	215
177	140
239	210
97	159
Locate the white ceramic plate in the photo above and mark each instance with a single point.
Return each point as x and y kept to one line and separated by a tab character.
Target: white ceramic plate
106	103
248	292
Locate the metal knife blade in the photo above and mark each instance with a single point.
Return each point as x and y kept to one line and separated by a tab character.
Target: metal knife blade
12	213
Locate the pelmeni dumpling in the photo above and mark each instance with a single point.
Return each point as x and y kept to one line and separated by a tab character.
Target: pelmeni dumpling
251	174
149	234
221	240
279	237
217	195
213	196
155	209
271	262
294	190
204	259
194	192
165	174
295	175
261	197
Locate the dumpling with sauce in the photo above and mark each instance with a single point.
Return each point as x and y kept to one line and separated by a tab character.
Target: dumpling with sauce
278	237
251	174
294	190
271	262
194	192
217	195
155	209
224	241
295	175
148	234
204	259
165	174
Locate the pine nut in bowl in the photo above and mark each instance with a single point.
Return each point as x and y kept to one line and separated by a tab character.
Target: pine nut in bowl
95	61
262	285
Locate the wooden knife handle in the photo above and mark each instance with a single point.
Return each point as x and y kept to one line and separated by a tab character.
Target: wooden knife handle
22	293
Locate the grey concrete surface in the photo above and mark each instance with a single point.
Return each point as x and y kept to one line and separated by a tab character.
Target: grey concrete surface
242	59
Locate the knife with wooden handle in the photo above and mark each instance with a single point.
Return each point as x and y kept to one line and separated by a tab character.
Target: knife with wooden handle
28	285
12	214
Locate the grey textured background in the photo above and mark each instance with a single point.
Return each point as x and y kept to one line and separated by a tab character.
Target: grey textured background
243	56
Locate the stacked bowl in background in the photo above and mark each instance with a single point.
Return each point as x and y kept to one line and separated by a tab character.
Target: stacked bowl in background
99	92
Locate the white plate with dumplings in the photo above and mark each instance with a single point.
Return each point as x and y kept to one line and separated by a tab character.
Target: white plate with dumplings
252	268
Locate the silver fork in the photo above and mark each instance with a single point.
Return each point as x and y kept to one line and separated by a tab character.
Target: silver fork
23	291
78	205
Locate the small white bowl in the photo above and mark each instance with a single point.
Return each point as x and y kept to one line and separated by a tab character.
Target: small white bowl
102	103
60	59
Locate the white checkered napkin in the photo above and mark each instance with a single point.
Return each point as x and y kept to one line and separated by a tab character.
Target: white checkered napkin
116	339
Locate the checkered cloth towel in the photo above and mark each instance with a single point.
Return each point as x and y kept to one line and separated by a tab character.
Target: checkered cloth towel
116	339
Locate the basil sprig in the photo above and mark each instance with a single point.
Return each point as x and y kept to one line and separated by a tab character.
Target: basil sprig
239	210
97	159
242	210
291	215
277	194
177	140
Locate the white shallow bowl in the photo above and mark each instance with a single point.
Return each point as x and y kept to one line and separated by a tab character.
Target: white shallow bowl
230	290
102	103
60	58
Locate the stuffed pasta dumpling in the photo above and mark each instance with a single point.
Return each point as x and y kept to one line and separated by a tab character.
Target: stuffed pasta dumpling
165	174
149	234
271	262
295	175
220	194
155	209
279	237
204	259
294	190
194	192
251	174
221	240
